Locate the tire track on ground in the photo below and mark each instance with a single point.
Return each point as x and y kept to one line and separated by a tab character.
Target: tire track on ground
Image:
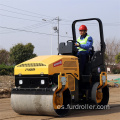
10	117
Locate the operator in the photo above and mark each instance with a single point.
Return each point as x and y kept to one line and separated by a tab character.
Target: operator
84	44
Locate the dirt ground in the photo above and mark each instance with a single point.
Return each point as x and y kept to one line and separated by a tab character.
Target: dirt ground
6	112
112	76
6	84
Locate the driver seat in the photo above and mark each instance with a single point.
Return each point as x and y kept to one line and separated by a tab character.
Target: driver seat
66	49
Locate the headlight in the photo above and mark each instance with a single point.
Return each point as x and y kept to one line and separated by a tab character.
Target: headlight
42	82
20	82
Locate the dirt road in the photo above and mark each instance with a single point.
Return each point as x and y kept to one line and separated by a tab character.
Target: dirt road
6	112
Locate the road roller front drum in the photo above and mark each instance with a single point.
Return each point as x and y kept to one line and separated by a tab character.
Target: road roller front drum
33	102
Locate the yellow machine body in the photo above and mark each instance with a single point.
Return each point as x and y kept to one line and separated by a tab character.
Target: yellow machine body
49	65
67	68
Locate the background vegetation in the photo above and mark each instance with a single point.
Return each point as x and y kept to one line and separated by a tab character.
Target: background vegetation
17	54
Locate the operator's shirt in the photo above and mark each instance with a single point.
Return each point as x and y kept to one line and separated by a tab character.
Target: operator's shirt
86	46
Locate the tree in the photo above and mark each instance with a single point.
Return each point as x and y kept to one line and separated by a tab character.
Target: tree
117	58
20	53
112	49
4	56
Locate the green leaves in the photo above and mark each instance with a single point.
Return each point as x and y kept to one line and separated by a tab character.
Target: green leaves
6	70
20	53
117	58
116	70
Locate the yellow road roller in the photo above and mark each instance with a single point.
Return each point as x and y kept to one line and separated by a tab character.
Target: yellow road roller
47	85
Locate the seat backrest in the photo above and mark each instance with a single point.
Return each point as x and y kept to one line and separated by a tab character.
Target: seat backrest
66	49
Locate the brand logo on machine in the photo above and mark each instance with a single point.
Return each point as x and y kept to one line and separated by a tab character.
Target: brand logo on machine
30	69
57	63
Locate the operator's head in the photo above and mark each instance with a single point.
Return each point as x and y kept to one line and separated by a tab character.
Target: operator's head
83	30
